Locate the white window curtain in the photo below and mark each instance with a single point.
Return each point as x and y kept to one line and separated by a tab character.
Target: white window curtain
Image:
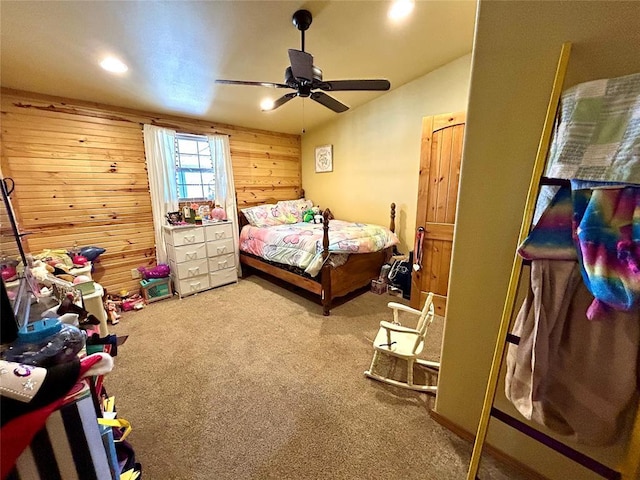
160	152
225	191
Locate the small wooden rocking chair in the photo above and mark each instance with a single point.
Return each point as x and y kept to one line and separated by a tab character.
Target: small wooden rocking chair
402	342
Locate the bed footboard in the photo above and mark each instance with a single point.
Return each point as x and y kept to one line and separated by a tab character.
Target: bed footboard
356	273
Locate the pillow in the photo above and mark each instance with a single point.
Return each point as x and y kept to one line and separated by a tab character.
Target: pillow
295	208
256	215
267	216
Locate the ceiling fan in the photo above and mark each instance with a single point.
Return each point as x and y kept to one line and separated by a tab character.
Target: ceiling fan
306	79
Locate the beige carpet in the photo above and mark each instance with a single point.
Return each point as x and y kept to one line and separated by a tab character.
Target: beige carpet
250	381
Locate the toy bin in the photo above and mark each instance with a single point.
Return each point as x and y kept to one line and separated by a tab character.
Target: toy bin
156	289
87	288
378	286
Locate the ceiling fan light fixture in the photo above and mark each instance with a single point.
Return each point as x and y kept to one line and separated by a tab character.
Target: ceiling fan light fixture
305	78
400	9
267	104
113	65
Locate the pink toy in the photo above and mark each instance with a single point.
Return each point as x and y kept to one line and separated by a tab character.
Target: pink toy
159	271
135	302
9	273
79	260
81	279
218	213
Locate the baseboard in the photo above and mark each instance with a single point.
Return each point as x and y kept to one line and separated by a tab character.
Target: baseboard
494	452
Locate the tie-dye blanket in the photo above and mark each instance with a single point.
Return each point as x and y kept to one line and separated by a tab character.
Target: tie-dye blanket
607	233
598	137
601	229
552	238
300	244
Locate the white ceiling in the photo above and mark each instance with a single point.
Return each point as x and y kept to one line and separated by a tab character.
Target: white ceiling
176	49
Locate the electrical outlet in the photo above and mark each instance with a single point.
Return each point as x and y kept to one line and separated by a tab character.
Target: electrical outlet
135	273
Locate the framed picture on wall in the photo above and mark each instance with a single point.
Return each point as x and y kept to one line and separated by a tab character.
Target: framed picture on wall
324	158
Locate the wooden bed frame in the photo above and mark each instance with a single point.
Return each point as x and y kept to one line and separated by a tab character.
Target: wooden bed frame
331	282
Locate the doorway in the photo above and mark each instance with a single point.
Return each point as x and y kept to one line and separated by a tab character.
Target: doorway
440	159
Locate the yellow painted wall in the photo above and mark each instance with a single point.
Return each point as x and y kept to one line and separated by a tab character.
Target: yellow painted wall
515	54
376	150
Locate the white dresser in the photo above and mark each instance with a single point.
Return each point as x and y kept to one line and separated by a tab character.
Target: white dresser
200	256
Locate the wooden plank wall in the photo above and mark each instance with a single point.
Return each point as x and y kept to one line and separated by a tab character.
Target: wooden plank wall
8	243
80	175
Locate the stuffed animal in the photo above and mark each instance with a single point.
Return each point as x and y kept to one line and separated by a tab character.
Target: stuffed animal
312	215
41	270
307	216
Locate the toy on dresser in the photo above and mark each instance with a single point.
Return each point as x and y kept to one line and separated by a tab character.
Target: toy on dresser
218	214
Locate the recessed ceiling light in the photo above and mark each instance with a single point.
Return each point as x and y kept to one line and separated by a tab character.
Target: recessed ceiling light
400	9
266	104
113	65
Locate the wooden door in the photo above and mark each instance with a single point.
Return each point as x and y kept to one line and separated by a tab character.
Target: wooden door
440	156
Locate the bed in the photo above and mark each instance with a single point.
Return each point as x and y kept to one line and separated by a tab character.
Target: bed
331	272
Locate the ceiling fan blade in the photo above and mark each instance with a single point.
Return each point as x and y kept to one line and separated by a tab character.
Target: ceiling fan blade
329	102
338	85
283	99
255	84
301	64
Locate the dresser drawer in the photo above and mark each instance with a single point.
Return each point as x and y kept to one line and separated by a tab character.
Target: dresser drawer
185	236
185	253
222	277
221	247
189	269
220	231
221	262
192	285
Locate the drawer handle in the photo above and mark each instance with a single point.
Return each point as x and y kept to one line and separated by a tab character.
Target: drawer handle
222	249
194	286
191	255
189	239
193	271
222	265
220	235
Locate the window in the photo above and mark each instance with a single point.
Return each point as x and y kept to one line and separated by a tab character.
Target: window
195	174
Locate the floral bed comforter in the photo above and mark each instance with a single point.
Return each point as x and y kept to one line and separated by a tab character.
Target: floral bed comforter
300	244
